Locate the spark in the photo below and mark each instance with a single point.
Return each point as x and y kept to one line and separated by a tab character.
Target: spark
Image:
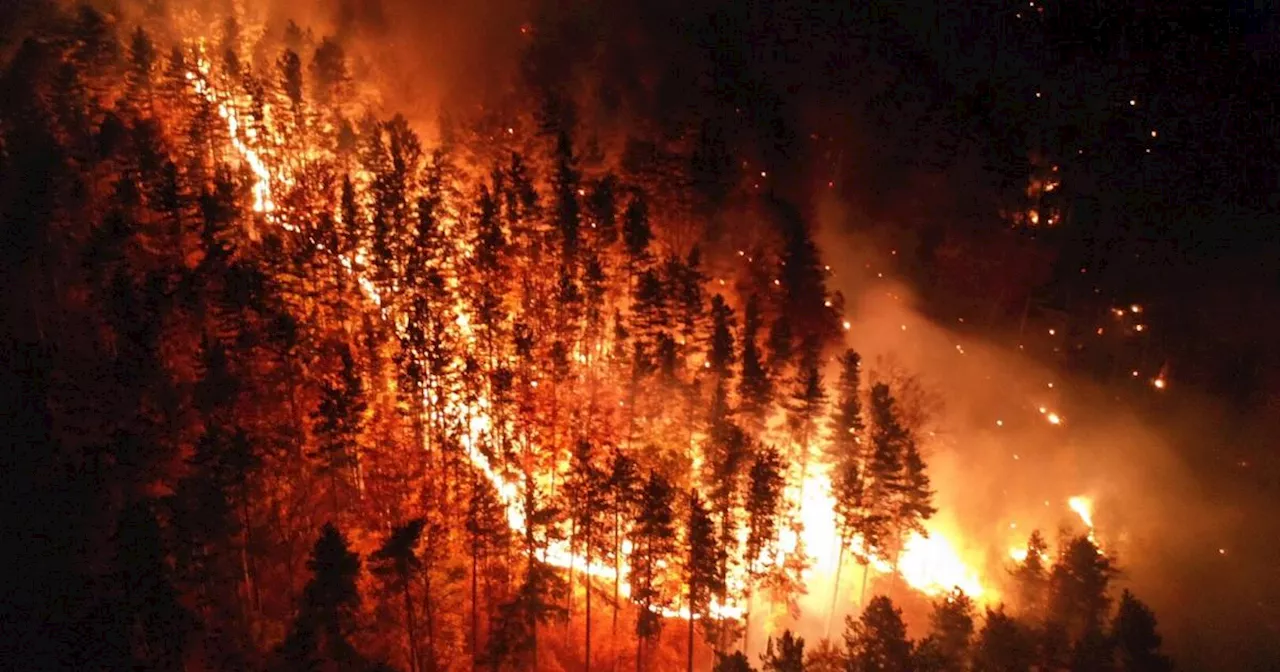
1054	419
1158	383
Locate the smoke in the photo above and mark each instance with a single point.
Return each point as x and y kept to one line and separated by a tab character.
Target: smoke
1001	468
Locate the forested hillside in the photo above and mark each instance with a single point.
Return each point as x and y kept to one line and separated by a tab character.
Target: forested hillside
293	387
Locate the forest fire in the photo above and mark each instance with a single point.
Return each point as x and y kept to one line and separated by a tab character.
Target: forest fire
928	563
495	379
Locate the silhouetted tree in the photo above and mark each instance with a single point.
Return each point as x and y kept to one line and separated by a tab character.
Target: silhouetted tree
396	563
877	642
785	654
1003	645
150	610
321	632
652	545
1137	643
702	565
946	649
732	662
1078	584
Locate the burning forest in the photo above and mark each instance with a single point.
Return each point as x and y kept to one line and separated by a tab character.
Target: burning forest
327	386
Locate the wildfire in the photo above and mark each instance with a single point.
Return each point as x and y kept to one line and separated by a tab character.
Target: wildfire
928	563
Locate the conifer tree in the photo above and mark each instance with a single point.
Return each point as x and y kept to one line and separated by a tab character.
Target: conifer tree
338	423
624	495
652	546
732	662
754	387
1078	584
885	474
321	632
946	649
763	504
877	642
150	610
585	489
1031	578
808	397
565	179
785	654
487	531
636	233
1137	643
847	456
721	355
702	565
1003	645
602	209
396	563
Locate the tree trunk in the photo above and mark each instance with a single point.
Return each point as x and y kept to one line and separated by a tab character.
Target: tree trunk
587	584
431	622
617	579
568	600
835	591
411	625
691	623
862	596
475	605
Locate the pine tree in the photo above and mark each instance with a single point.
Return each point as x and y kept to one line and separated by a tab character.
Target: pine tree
885	475
396	563
915	505
846	454
636	233
1136	640
326	619
877	642
1003	645
720	355
338	424
1031	578
732	662
652	546
825	657
1078	584
328	71
150	610
763	504
602	209
565	179
487	532
808	397
786	654
702	565
585	490
946	649
623	486
754	387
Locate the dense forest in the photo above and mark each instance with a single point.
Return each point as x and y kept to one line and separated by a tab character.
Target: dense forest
291	387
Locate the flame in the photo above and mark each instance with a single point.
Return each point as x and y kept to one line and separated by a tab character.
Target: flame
1083	506
930	564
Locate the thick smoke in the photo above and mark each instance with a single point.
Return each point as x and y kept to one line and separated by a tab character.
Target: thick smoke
1002	469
